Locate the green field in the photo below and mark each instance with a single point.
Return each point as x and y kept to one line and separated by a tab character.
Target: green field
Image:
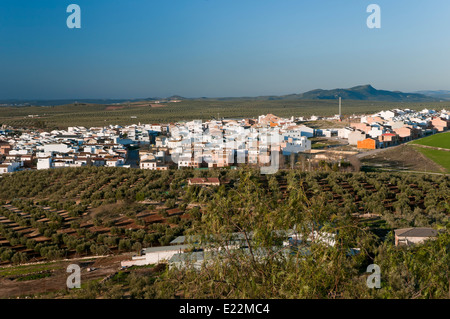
440	157
441	140
24	270
100	115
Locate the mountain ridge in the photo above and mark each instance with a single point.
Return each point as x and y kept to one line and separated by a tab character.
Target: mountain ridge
360	92
366	93
438	94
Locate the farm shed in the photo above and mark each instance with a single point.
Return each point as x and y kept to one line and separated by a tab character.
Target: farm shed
410	236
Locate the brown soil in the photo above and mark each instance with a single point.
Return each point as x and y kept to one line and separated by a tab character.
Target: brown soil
104	266
109	108
403	157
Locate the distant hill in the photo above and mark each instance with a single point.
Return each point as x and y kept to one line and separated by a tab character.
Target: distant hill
357	93
438	94
367	93
17	102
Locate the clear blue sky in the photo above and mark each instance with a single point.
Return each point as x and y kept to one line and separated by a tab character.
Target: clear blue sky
149	48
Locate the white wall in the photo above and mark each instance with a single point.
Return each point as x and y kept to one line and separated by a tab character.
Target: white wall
44	163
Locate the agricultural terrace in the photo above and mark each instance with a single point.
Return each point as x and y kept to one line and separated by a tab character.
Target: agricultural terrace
75	212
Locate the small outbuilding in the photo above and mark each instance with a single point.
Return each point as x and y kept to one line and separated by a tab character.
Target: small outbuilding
410	236
210	181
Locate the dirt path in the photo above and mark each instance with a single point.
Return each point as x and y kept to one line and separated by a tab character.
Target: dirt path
402	158
12	288
56	282
432	147
378	150
406	171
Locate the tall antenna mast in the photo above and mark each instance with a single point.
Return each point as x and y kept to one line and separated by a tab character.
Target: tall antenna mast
340	108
